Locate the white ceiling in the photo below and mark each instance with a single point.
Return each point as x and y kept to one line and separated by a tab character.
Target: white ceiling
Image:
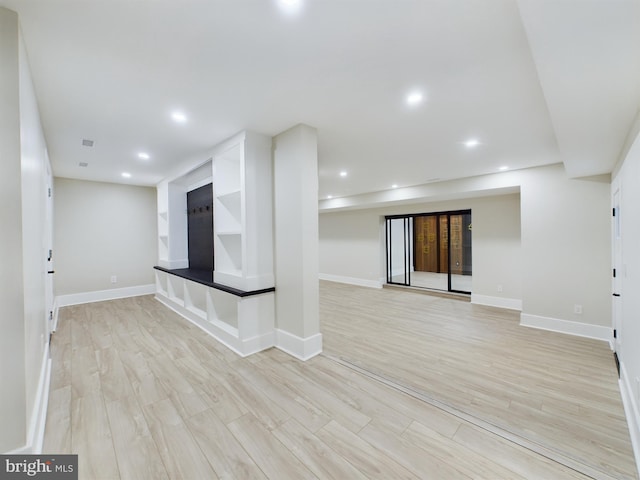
535	81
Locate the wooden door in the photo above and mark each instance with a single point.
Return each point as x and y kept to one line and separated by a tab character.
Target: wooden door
426	244
444	245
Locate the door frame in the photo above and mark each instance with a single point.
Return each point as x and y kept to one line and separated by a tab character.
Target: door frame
409	244
616	260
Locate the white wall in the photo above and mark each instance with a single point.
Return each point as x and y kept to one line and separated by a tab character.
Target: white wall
627	179
23	322
550	250
12	354
352	245
566	246
101	230
35	181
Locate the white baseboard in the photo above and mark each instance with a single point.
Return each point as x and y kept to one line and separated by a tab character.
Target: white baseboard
38	418
101	295
301	348
56	309
39	414
565	326
500	302
361	282
631	412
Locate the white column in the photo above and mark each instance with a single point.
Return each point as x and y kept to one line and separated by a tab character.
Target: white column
295	160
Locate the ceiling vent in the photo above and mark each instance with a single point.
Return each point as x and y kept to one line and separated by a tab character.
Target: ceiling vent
83	164
87	143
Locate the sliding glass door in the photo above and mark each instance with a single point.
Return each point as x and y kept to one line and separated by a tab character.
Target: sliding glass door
399	258
430	250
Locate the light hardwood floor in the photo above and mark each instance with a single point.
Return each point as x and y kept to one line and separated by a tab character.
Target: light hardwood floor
139	392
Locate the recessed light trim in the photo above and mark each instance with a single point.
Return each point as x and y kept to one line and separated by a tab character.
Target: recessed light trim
126	175
414	98
143	156
290	7
179	117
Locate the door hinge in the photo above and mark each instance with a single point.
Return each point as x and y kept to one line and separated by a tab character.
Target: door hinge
614	273
50	314
615	333
614	212
49	192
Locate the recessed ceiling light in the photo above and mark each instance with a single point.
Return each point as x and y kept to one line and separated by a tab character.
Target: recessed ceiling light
503	168
179	117
143	156
472	143
126	174
395	185
343	173
414	98
290	6
329	197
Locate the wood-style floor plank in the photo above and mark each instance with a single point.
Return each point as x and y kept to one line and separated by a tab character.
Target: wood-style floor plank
139	392
556	389
229	459
275	460
136	451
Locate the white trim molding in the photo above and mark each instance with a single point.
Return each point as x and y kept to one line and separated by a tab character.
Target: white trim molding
631	412
56	308
361	282
101	295
500	302
301	348
38	417
578	329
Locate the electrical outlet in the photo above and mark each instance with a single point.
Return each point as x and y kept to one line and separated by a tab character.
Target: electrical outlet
577	309
499	288
114	279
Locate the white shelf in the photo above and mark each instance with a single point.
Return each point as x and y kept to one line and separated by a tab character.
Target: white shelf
230	197
243	239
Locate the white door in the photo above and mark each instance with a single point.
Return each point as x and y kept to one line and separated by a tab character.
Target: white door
617	270
48	248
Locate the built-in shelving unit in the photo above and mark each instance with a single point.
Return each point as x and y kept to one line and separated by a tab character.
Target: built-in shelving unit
237	304
242	320
243	240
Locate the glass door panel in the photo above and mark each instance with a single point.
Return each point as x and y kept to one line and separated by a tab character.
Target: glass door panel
399	251
460	252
